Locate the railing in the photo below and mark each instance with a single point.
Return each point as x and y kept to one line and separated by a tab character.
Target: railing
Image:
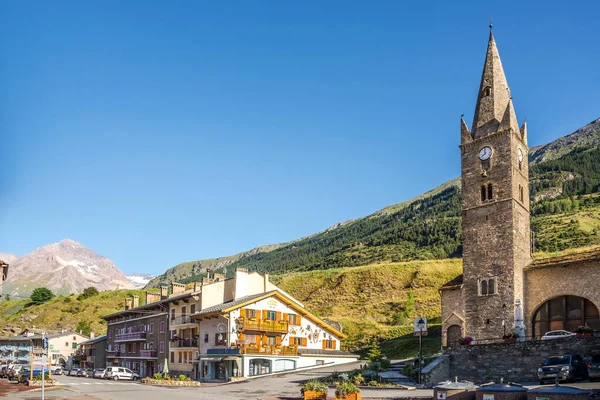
265	349
182	320
126	337
148	353
184	343
113	354
267	325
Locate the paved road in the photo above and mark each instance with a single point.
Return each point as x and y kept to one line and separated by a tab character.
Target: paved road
287	385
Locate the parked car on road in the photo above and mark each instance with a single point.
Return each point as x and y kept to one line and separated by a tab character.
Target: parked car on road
558	335
25	374
98	373
593	368
57	370
82	372
116	373
4	371
567	367
73	372
13	373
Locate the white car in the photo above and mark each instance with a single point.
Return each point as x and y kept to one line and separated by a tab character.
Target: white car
558	335
116	373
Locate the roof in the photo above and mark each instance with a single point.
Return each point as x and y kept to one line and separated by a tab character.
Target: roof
321	352
566	259
139	308
2	262
453	284
37	336
95	340
291	303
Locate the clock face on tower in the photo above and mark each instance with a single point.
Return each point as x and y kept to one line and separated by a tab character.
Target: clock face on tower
485	153
520	155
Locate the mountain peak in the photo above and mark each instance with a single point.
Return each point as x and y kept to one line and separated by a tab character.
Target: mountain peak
70	242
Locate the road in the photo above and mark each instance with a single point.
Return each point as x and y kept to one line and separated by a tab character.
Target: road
271	387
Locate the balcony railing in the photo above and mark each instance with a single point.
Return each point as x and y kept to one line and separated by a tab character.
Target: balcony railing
113	354
184	343
148	353
182	320
130	337
265	349
266	325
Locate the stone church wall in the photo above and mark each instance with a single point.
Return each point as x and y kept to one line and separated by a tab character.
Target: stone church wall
516	362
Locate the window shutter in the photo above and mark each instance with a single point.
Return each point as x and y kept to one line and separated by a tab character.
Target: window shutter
264	339
241	336
278	340
264	314
324	344
242	312
298	320
278	318
257	339
334	345
303	341
285	316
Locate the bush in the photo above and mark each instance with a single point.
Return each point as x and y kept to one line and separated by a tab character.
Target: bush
358	380
316	386
181	377
373	383
41	295
88	292
385	364
344	389
157	376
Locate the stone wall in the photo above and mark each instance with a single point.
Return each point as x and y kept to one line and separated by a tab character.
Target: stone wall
437	371
517	362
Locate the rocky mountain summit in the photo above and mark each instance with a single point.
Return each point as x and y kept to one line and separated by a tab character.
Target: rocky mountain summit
64	267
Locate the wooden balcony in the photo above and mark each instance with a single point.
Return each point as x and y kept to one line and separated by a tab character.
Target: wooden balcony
260	325
269	350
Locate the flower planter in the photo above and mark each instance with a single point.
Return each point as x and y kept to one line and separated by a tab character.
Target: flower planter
37	383
351	396
584	334
314	395
163	382
510	340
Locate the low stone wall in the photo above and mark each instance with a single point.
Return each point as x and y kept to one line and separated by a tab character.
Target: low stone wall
516	362
437	371
37	383
162	382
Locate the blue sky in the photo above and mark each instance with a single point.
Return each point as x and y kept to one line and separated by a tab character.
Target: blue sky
160	132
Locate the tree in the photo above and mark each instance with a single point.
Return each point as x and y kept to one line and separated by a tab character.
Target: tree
88	292
374	354
41	295
83	327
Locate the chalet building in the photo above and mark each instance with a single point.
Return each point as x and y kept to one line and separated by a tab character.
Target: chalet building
137	337
91	353
62	346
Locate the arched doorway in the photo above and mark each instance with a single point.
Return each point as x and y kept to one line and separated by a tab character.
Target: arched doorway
564	312
453	333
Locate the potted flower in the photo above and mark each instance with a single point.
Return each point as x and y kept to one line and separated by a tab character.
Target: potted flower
510	337
584	330
314	390
347	391
465	341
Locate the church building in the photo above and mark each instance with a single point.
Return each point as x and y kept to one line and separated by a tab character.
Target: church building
501	287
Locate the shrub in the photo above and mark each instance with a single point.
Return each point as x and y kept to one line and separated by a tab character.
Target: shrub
374	354
358	379
344	389
88	292
385	364
316	386
373	383
181	377
41	295
157	376
344	377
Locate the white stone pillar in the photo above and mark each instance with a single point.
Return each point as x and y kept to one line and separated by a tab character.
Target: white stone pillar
519	325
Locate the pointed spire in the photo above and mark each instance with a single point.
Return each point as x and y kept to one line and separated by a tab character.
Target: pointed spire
524	131
493	96
465	135
509	120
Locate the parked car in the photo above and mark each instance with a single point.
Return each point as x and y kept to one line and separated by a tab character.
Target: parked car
57	370
116	373
4	371
593	368
13	373
82	372
558	335
25	374
567	367
98	373
73	372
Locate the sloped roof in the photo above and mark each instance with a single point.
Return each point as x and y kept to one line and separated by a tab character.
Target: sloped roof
234	303
95	340
453	284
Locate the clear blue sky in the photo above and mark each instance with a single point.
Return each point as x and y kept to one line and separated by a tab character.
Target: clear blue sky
160	132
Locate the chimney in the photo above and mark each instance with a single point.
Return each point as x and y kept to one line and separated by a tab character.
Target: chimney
152	297
197	286
177	288
218	277
136	301
266	281
92	335
127	303
164	292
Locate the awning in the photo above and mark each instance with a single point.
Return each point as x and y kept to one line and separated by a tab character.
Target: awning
211	358
231	358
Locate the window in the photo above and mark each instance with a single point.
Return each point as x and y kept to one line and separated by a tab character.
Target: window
179	356
271	315
185	357
484	288
190	356
66	344
487	91
483	193
183	311
172	357
110	333
74	345
162	326
151	330
161	346
487	287
295	341
134	348
491	287
293	319
521	193
74	338
250	313
329	344
271	340
173	314
520	164
490	193
193	309
219	339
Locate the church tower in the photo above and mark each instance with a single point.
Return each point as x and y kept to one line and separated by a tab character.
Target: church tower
495	206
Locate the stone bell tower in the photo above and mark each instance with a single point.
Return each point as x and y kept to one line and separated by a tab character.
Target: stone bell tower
495	206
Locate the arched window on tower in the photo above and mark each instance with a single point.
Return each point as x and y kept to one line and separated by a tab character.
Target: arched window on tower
487	91
491	286
484	288
483	193
490	193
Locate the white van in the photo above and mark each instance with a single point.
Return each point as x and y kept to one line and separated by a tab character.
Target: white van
116	373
